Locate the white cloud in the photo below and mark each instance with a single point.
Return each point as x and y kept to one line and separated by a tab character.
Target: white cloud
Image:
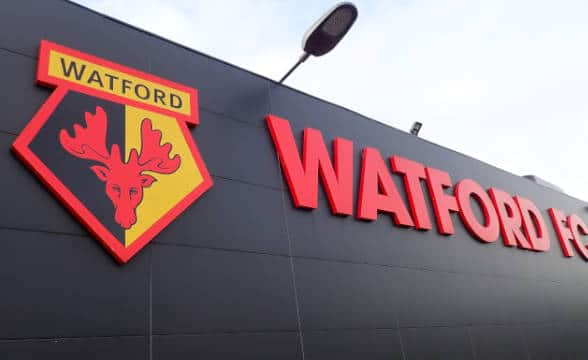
512	75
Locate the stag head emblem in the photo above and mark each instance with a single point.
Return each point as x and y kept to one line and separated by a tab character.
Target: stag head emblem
124	181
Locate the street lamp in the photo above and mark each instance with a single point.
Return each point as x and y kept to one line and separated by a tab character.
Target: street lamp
326	33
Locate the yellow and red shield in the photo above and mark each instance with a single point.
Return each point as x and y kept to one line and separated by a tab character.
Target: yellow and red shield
112	143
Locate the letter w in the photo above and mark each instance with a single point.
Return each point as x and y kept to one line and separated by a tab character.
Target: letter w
72	66
302	176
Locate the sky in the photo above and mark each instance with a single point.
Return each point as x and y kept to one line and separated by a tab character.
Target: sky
510	75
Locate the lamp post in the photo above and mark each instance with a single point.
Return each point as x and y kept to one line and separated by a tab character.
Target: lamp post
326	33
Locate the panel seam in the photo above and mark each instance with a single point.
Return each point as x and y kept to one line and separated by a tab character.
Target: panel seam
290	255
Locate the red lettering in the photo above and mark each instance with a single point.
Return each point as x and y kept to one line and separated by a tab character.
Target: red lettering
510	219
533	224
302	176
487	232
377	191
412	173
517	219
577	228
437	182
565	235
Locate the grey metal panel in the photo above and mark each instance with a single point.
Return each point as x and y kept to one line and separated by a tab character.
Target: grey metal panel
352	344
112	348
236	150
498	342
207	291
337	295
221	219
26	204
223	89
66	286
437	343
21	98
233	346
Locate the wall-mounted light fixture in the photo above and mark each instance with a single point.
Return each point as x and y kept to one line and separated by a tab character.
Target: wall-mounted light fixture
416	127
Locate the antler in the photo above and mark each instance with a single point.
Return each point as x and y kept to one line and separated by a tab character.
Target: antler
89	142
154	157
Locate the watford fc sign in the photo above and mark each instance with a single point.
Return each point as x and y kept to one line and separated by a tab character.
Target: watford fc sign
112	143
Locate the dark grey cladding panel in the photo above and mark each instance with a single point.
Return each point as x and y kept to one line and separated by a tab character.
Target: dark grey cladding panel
26	203
24	24
21	97
543	341
306	111
571	300
498	342
337	295
352	345
222	88
204	291
68	286
529	301
239	346
232	215
112	348
28	21
437	343
473	256
432	298
317	233
570	339
429	298
340	295
237	150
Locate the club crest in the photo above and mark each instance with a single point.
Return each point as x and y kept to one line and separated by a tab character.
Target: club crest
112	143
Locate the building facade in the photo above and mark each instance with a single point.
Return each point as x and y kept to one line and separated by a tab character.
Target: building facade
245	273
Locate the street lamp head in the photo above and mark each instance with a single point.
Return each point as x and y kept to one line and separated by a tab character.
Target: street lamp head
326	33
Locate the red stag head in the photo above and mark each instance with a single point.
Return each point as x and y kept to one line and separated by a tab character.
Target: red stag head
124	180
